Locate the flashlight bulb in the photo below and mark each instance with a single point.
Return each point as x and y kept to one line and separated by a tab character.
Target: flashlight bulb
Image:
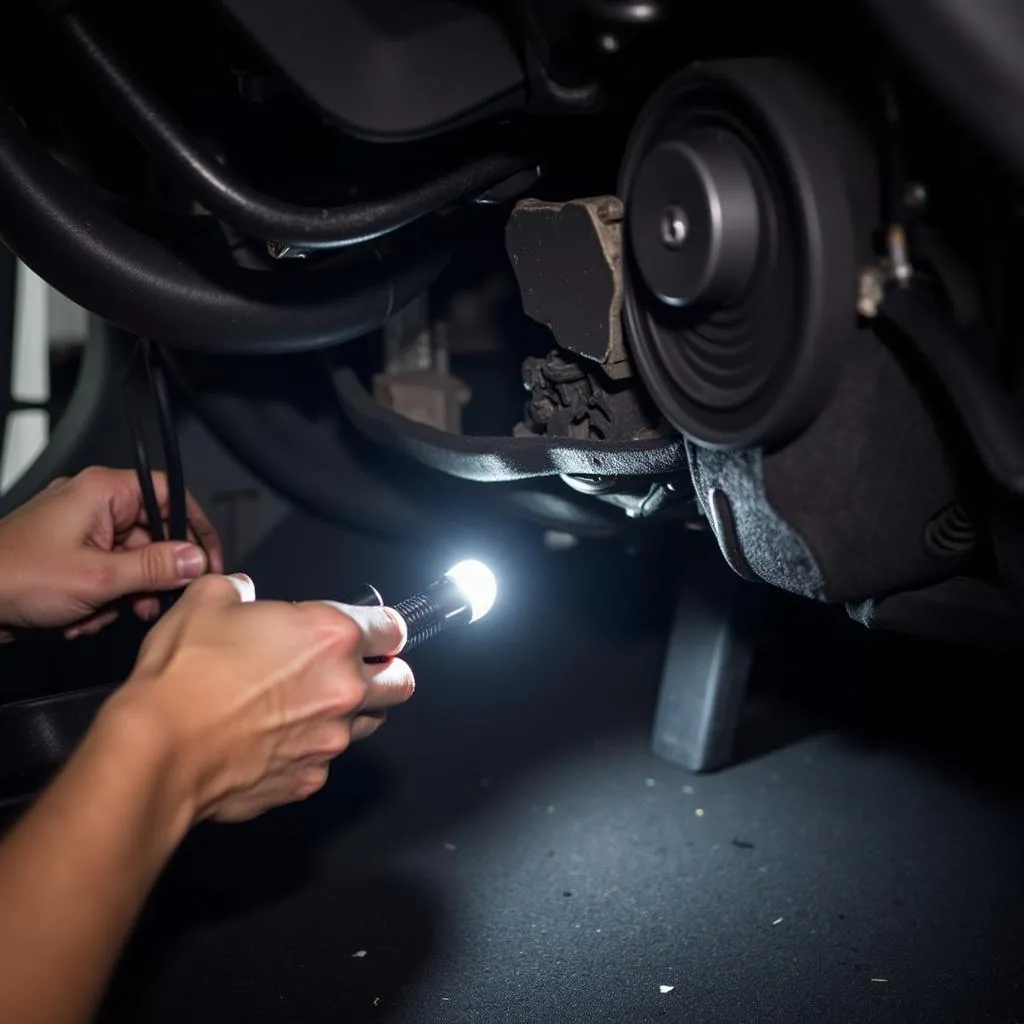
477	585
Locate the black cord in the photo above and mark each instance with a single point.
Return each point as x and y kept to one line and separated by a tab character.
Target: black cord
177	502
144	472
178	510
231	198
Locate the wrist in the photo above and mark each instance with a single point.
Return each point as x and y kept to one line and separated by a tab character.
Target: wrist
145	746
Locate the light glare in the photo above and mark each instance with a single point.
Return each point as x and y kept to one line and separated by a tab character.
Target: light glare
477	584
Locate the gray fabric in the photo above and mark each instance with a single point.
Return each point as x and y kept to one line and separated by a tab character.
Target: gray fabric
771	547
840	514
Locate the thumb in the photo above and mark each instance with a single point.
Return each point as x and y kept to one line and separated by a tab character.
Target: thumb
238	588
167	565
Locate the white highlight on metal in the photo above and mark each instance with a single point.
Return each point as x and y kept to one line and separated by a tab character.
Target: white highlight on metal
25	437
477	584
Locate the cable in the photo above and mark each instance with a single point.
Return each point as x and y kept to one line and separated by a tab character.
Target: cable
232	199
177	518
177	501
144	474
144	469
54	222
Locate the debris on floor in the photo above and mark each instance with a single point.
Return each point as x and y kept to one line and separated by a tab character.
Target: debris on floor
665	989
778	920
743	844
688	790
359	954
649	783
883	980
699	812
450	847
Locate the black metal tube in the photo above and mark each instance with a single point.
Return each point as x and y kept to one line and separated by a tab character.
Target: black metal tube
229	197
55	223
439	607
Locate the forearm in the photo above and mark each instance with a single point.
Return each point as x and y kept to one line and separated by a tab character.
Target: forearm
75	870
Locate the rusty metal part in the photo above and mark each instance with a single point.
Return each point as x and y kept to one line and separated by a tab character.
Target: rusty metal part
568	262
416	382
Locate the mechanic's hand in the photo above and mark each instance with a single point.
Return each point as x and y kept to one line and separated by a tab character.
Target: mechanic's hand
83	543
252	701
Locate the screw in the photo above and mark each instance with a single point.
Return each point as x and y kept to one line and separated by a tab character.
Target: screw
674	227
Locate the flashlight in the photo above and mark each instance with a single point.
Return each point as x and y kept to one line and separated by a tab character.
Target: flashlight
464	594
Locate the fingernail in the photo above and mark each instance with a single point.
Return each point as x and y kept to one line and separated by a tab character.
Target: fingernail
190	561
244	585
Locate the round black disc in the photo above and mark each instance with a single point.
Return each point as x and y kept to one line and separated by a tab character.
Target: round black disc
742	259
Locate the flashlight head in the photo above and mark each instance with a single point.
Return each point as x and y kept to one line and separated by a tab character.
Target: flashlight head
477	585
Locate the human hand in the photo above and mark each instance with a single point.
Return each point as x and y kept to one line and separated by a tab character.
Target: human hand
252	701
82	543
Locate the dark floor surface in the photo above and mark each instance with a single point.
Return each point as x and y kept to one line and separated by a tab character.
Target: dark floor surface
507	850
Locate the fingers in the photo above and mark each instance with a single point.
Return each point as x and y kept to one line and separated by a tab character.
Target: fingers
205	534
367	724
297	783
387	685
384	630
146	608
224	591
91	625
120	488
152	567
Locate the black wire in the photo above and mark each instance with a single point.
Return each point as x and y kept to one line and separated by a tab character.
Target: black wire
144	472
178	509
232	199
54	222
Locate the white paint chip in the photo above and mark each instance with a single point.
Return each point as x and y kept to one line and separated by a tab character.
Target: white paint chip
881	980
665	989
359	954
778	920
699	812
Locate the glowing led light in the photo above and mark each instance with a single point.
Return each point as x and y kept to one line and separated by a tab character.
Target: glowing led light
477	585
